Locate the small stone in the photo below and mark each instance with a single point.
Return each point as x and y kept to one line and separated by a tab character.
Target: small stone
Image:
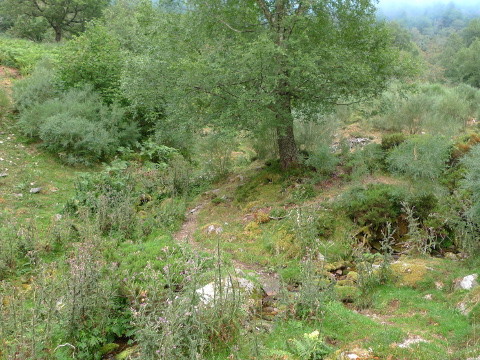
18	195
467	283
451	256
428	297
3	174
212	229
35	190
412	341
270	310
339	272
439	285
58	217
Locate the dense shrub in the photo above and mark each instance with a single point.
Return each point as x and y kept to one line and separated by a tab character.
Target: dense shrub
366	161
431	108
375	205
390	141
420	157
76	139
471	182
78	126
215	154
322	160
36	88
93	58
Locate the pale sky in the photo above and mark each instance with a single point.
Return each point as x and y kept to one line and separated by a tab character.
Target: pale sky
384	3
389	6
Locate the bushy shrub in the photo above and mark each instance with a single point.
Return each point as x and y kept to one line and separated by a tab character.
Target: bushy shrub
4	100
471	182
93	58
37	88
420	157
78	126
322	160
366	161
76	139
375	205
432	108
389	141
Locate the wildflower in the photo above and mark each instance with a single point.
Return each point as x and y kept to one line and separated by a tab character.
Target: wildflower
312	336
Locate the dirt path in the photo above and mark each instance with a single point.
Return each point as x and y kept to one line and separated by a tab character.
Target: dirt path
269	281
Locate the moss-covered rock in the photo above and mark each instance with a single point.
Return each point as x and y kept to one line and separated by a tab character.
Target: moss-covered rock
347	293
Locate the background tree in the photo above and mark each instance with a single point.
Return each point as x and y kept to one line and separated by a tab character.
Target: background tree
60	15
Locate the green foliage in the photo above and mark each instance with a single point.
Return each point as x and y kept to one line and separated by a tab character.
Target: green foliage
37	88
302	192
322	160
389	141
423	157
310	347
325	224
156	153
374	205
215	154
246	86
31	28
367	160
430	108
61	16
76	139
4	100
93	58
471	182
23	54
78	126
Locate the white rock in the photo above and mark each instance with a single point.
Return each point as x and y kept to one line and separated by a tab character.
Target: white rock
467	283
214	229
412	341
229	287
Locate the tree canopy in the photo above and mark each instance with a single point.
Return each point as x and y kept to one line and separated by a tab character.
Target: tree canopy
34	16
257	63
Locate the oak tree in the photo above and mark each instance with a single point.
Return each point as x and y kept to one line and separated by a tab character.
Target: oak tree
259	62
60	15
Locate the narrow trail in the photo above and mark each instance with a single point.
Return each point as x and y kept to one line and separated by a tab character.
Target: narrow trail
269	281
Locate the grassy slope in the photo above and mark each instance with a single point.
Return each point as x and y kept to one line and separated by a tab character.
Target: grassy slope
399	312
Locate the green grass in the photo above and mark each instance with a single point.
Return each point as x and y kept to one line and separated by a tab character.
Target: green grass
24	54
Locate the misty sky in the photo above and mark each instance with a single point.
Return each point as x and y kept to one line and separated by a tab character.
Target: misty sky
387	3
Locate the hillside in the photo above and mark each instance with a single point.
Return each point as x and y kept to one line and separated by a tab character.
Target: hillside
211	180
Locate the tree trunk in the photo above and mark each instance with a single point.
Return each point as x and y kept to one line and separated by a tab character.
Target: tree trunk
58	35
287	147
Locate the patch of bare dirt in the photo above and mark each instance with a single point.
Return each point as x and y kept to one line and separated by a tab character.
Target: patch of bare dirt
7	75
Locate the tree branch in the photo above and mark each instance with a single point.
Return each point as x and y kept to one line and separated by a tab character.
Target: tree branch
232	28
266	12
